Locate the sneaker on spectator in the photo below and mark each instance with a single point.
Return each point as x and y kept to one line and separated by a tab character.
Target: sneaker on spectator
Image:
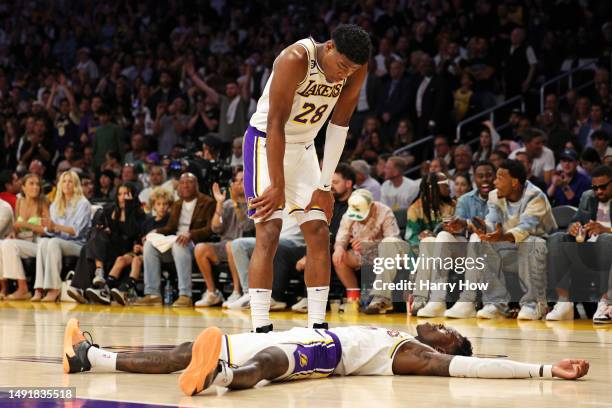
379	305
603	314
461	310
244	302
532	311
210	299
98	296
561	311
417	305
432	309
98	280
233	297
77	294
183	301
275	305
149	300
120	296
301	306
491	311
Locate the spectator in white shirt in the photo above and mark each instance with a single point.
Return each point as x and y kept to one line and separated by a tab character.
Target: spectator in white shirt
398	191
543	158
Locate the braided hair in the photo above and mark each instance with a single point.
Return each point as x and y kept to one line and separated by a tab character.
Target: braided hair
431	198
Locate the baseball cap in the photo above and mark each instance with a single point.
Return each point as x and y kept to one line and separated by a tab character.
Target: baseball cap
359	204
569	154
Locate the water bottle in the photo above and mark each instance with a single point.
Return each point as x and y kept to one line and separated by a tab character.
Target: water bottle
168	292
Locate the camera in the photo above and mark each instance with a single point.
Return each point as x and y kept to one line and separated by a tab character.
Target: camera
210	172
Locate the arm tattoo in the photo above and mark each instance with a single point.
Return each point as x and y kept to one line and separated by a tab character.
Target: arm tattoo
436	364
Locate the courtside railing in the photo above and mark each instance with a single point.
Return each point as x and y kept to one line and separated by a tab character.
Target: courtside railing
591	64
490	113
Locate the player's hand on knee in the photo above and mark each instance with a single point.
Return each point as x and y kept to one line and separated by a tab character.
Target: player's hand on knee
323	200
269	201
570	369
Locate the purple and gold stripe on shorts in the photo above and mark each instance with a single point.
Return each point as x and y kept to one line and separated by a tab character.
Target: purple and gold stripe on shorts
253	141
317	358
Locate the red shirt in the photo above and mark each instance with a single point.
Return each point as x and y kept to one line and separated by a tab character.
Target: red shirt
9	198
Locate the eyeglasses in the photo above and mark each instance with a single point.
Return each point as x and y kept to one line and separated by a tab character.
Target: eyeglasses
600	186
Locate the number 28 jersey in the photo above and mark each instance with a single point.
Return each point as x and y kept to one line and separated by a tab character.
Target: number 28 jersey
313	101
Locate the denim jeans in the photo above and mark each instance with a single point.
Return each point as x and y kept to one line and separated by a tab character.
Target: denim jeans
527	258
287	255
182	256
242	249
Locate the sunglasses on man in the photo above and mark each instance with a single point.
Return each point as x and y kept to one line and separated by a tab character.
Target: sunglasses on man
600	186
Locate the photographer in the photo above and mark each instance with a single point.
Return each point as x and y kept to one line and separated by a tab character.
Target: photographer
209	167
568	185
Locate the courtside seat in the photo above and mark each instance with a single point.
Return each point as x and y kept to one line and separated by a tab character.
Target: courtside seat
402	220
563	215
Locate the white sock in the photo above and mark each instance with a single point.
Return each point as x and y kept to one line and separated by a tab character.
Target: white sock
102	360
260	307
317	302
225	377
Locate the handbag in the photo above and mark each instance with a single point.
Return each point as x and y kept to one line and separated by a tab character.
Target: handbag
64	297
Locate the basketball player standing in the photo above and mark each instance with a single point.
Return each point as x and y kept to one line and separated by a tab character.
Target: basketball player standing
281	165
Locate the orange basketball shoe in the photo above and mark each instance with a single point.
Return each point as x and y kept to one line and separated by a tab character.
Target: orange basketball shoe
203	367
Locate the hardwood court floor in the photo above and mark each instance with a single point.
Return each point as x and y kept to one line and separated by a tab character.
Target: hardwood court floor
31	344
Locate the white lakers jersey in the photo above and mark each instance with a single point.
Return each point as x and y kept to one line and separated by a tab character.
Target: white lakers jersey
368	350
314	100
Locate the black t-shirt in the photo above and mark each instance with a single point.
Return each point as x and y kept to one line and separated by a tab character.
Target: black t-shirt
479	63
200	128
65	131
46	143
150	223
340	208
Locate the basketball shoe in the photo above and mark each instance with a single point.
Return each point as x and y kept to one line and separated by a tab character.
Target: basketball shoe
204	364
74	358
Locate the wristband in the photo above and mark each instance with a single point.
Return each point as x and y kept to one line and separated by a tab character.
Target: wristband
335	136
546	371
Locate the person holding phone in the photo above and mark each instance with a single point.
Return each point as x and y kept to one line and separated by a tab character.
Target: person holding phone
116	228
567	185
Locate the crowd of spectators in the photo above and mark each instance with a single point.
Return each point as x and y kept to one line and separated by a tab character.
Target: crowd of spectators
139	107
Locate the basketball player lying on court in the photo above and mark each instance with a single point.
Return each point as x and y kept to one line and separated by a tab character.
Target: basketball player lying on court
240	361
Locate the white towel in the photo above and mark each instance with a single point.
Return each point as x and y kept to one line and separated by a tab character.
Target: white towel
161	242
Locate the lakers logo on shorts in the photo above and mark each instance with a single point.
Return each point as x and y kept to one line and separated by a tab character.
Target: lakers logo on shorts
303	359
393	333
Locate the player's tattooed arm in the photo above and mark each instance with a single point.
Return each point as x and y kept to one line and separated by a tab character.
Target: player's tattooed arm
416	359
156	362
